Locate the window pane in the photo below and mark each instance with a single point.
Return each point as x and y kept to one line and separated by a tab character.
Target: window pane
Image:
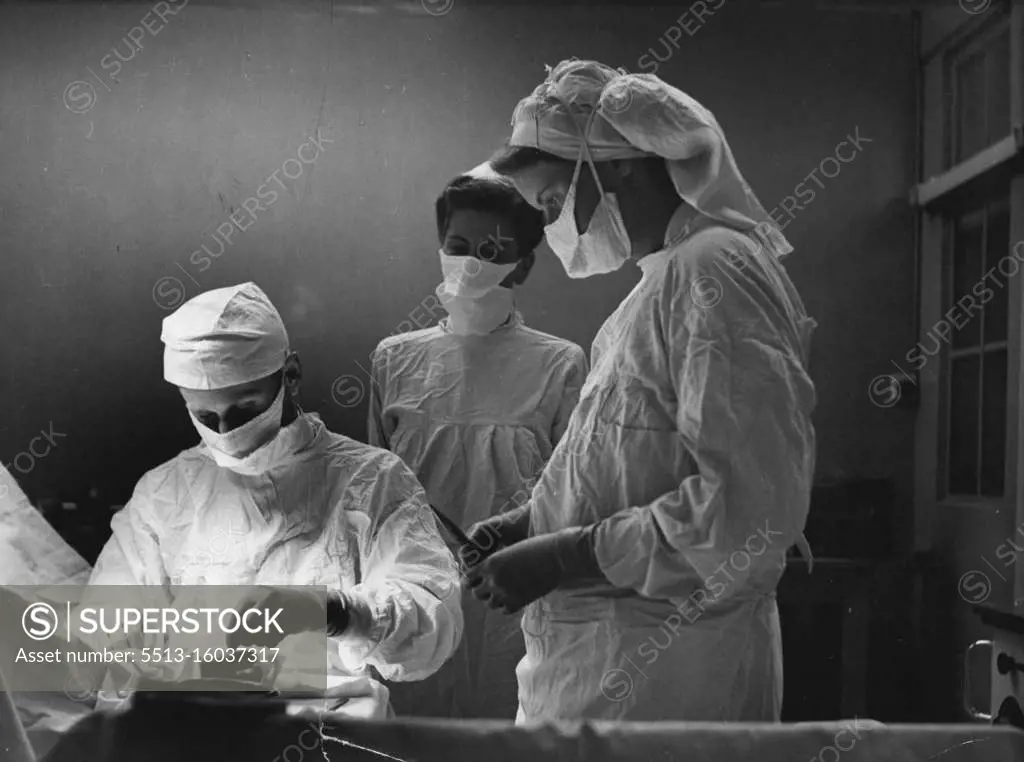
969	106
967	271
997	247
993	424
998	96
963	425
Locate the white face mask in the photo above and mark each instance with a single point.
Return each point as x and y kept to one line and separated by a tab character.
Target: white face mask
604	248
249	449
472	294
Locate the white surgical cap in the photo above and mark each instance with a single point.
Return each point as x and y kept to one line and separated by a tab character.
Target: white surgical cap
628	116
223	338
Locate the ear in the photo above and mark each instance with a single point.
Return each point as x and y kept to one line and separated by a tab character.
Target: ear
292	373
623	169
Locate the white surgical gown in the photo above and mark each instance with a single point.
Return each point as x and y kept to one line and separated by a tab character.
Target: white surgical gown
693	442
476	418
338	513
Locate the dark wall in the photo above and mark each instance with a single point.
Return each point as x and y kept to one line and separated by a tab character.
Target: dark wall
98	210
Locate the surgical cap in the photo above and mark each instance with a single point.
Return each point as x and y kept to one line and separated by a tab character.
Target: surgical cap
628	116
223	338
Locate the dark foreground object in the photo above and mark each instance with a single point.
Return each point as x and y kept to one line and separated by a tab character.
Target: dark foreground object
208	728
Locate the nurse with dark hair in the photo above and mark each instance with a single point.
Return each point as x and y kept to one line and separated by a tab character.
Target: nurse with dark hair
475	406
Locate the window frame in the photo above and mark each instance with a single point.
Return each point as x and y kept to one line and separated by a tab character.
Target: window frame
968	47
955	176
939	199
950	353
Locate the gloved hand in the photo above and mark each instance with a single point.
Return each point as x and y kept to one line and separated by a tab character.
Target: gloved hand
495	533
518	575
301	611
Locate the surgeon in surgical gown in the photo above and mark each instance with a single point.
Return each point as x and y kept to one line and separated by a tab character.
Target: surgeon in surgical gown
659	530
271	497
475	406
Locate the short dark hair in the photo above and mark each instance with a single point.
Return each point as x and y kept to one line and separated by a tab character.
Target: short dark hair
497	196
512	159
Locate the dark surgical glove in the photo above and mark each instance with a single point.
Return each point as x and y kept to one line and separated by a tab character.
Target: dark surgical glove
301	611
516	576
495	533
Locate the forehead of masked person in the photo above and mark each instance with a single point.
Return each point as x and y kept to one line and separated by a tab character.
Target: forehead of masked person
486	218
543	179
224	410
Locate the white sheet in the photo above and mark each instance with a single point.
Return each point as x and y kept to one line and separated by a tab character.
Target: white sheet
32	553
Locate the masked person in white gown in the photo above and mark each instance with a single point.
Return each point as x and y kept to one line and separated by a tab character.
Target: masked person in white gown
649	554
475	406
271	497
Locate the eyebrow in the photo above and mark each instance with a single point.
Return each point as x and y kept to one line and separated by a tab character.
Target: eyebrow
246	396
242	400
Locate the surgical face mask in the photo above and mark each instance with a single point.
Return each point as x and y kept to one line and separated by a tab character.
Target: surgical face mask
472	294
249	449
604	248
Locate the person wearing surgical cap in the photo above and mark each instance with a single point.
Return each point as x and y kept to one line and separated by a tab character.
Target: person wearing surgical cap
312	507
648	556
475	406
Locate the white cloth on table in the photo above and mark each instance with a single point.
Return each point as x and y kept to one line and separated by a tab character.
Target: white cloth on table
32	553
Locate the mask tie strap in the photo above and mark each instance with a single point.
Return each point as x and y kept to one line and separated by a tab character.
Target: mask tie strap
584	147
585	150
